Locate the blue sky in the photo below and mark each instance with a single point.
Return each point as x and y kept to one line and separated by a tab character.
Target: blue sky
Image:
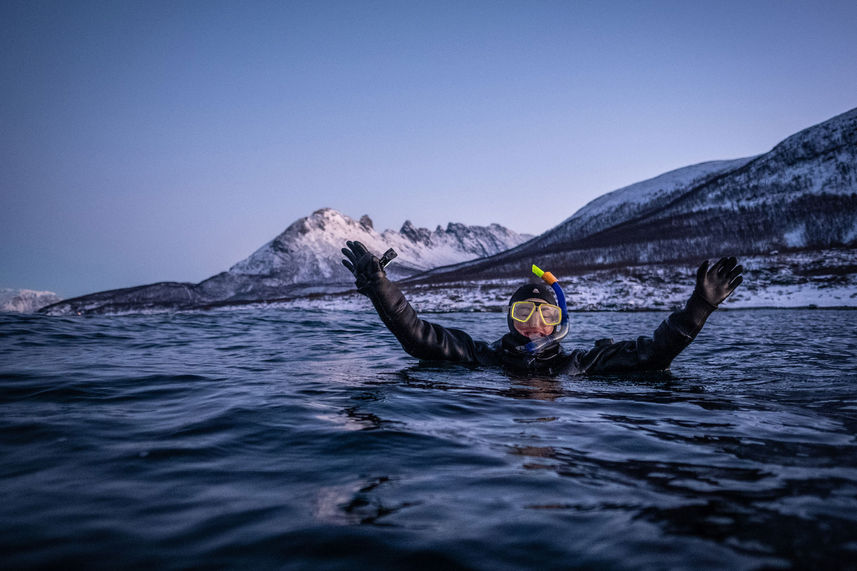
149	141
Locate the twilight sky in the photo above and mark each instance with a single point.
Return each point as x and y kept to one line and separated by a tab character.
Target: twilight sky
148	141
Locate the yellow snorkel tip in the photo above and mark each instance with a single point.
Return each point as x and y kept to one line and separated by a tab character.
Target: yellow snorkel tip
538	271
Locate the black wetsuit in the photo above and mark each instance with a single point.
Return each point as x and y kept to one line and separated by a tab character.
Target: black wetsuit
429	341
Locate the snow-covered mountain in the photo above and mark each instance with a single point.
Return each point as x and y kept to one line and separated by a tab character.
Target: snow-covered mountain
308	250
25	300
800	195
304	259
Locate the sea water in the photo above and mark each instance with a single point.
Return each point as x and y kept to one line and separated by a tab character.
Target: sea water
266	438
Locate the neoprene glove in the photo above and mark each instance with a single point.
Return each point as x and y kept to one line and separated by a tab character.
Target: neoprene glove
717	283
362	264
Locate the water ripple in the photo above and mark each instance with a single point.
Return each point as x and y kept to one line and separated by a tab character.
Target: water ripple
271	438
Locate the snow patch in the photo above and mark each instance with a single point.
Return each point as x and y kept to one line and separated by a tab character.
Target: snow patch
796	238
851	235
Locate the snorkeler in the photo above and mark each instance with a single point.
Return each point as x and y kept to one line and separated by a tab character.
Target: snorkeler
537	318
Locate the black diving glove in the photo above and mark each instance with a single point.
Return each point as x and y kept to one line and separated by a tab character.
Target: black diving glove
365	266
717	283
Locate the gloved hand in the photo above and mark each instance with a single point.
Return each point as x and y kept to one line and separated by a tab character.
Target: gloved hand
362	264
716	284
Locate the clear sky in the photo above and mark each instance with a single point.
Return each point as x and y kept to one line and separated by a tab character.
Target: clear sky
148	141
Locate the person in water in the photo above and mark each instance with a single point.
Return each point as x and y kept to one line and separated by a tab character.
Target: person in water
537	318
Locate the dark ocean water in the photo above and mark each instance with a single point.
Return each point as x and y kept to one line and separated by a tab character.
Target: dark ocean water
308	439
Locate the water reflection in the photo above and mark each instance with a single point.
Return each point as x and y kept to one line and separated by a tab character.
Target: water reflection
537	387
357	503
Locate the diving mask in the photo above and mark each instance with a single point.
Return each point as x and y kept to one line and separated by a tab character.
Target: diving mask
523	311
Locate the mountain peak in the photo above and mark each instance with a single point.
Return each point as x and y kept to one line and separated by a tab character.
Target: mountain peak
835	133
309	248
416	235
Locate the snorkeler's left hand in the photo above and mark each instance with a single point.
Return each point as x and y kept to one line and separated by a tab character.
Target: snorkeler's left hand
361	263
718	282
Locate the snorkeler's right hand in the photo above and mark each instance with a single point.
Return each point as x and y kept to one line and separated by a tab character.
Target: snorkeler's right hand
717	283
361	263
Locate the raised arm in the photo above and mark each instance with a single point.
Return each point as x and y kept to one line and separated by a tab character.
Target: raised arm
421	339
713	285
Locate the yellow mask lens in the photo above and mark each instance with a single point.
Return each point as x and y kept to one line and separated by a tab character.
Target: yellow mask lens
551	314
523	311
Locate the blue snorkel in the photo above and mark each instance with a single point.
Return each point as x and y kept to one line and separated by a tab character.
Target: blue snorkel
542	343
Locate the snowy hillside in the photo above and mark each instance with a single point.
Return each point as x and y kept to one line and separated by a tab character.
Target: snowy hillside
800	195
819	279
638	199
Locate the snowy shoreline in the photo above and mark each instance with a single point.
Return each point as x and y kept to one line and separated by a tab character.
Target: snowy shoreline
796	280
825	279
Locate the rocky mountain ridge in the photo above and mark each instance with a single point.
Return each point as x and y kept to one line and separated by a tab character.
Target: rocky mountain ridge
308	249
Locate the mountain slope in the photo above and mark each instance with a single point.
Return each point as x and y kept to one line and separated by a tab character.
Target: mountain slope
637	200
801	194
